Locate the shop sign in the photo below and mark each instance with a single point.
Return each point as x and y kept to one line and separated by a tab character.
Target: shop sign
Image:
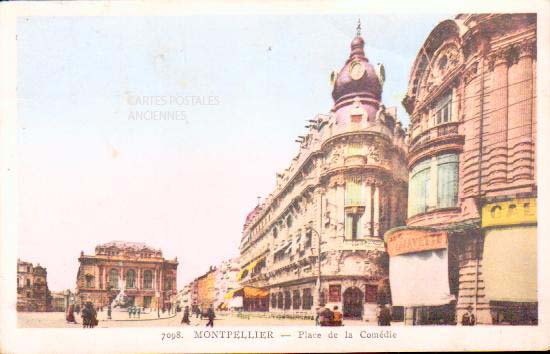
510	212
410	241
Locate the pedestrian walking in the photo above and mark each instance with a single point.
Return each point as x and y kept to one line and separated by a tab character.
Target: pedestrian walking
70	314
185	318
468	319
109	312
139	312
384	316
317	316
210	315
89	316
336	317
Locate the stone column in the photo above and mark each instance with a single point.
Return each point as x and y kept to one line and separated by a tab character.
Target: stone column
376	211
496	134
520	103
368	211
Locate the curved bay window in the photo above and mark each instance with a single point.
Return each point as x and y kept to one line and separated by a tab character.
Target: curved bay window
113	278
147	279
131	279
433	184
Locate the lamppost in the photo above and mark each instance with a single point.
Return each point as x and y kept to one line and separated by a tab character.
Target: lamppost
158	303
310	228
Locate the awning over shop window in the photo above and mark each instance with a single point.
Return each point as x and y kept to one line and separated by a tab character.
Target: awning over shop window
229	294
248	269
420	279
510	264
249	292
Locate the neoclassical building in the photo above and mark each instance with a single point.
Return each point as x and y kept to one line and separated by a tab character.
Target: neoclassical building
32	288
148	279
317	238
470	239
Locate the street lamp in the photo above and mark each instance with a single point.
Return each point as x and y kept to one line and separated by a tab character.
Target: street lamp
310	228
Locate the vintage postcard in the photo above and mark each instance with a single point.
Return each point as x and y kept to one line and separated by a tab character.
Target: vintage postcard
274	176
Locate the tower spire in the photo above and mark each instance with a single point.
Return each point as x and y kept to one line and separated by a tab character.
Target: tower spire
359	27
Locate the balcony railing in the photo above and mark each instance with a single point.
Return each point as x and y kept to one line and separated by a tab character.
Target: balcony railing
442	130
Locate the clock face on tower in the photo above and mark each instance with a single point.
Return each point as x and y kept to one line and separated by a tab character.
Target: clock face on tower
356	70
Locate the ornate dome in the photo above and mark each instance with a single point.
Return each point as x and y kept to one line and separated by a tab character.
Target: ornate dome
358	77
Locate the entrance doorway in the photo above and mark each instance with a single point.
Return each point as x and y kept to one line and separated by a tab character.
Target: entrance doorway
147	302
353	303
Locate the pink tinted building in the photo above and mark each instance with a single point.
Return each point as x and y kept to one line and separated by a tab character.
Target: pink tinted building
471	227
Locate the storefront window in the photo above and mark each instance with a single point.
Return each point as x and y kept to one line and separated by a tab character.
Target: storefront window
287	300
296	300
307	299
280	300
433	184
273	300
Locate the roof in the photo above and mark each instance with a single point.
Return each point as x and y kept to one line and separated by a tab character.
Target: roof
136	246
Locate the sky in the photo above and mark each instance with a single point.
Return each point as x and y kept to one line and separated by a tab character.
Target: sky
242	87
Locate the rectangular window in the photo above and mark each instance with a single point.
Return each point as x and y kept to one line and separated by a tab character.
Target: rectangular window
353	226
443	110
419	188
354	192
447	180
442	181
296	299
334	292
307	299
370	293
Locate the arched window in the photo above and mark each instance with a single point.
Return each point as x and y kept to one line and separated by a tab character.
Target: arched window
289	221
147	279
131	279
113	278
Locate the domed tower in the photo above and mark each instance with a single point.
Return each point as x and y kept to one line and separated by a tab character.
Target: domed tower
357	82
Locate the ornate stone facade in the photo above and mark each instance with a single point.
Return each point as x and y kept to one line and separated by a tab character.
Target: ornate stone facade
472	138
146	277
317	238
32	288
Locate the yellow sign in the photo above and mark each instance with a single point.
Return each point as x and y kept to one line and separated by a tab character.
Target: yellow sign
411	240
510	212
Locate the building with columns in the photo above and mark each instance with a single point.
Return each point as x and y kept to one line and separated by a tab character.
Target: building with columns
470	239
148	279
317	238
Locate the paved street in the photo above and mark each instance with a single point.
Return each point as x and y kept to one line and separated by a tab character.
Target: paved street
57	320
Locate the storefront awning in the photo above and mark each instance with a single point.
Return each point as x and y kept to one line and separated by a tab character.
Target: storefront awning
229	294
420	279
249	292
510	264
246	270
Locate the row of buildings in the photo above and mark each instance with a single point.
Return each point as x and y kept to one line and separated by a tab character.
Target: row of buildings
212	288
435	219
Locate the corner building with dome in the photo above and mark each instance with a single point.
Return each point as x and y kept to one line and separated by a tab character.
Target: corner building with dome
317	239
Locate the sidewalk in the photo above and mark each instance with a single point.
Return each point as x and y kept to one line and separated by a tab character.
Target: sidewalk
123	316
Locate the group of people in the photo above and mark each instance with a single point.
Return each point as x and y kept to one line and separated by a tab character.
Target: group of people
134	311
89	315
327	317
210	315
